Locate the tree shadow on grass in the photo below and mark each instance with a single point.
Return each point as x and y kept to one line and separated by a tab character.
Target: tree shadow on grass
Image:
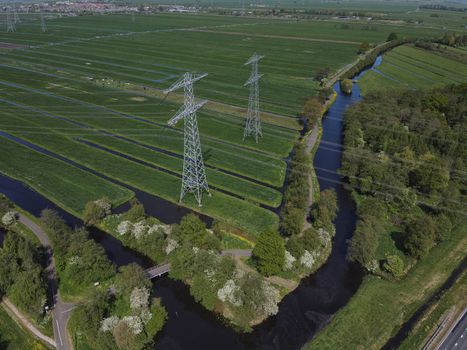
398	238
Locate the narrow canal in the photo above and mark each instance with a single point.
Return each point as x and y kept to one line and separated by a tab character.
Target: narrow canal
301	314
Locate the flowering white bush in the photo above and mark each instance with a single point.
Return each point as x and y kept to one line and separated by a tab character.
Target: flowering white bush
105	205
271	299
372	266
139	298
289	260
171	245
134	322
324	236
139	229
9	218
229	293
108	324
307	259
73	260
167	229
124	227
146	316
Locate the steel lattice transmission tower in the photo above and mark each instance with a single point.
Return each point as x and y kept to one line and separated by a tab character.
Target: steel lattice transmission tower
194	175
10	25
15	16
253	121
43	26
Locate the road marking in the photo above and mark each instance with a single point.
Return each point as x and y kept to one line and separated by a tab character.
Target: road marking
59	335
67	310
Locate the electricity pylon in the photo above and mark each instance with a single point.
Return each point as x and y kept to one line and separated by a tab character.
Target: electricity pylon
43	26
194	175
253	121
10	25
133	17
15	16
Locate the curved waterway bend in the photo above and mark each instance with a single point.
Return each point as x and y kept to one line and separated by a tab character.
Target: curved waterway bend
301	314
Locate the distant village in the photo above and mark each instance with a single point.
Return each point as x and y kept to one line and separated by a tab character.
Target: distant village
73	8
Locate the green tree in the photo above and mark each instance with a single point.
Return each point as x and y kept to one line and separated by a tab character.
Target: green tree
364	47
292	220
129	277
392	36
431	175
93	213
363	245
190	228
420	236
346	86
269	253
135	213
322	73
324	212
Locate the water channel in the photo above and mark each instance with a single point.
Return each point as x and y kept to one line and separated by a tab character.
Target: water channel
301	314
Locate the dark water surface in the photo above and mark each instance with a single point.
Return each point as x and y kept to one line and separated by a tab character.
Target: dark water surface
301	314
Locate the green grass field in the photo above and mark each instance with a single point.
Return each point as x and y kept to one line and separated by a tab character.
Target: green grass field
414	68
13	337
89	90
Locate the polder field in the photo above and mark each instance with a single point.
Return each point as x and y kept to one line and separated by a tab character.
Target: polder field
82	114
413	67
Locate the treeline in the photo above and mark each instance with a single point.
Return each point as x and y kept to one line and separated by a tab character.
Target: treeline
442	7
297	192
405	158
22	274
370	58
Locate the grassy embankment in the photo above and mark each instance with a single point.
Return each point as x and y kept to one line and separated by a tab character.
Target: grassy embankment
380	307
452	300
14	337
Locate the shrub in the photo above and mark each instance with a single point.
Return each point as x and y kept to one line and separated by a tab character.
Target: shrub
420	236
269	253
392	36
364	47
9	218
362	247
135	213
394	265
93	213
346	86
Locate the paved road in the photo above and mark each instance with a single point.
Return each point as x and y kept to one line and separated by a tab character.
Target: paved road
61	310
456	339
